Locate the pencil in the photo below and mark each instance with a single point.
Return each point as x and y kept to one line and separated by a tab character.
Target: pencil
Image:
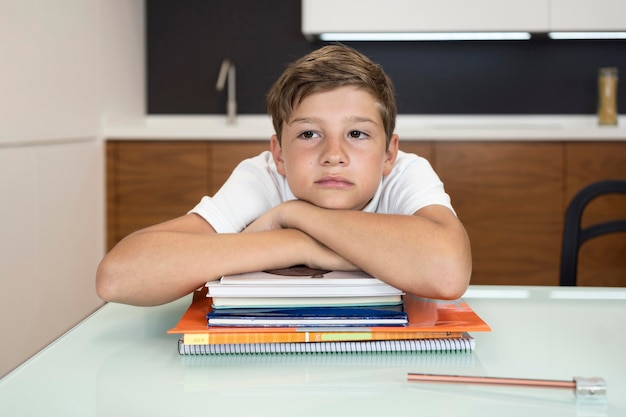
582	386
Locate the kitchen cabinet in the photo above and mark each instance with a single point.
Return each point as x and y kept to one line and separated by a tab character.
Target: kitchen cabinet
587	15
224	157
511	196
149	182
319	16
601	261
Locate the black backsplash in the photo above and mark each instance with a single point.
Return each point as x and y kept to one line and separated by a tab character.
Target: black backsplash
187	41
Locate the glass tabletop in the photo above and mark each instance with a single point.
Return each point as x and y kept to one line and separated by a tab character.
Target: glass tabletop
120	361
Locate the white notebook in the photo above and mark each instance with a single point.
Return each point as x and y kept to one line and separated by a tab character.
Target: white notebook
249	302
316	284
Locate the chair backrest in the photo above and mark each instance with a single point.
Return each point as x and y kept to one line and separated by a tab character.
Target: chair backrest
574	235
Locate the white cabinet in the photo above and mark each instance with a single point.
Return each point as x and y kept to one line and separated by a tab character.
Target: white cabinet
587	15
319	16
322	16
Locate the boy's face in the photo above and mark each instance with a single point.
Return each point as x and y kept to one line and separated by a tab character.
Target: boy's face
333	150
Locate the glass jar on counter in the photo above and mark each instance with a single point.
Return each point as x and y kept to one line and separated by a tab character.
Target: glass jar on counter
607	96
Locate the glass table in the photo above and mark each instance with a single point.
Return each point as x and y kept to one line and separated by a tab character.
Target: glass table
120	362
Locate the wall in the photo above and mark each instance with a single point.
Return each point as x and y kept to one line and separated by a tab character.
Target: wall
188	40
63	72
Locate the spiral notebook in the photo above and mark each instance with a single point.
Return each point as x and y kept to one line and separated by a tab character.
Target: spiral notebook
434	326
463	344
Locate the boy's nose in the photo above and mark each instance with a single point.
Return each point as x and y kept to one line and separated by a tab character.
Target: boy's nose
334	152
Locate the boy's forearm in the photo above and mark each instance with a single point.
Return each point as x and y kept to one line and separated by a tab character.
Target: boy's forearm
156	267
417	254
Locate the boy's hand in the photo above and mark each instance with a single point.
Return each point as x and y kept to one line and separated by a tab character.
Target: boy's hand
268	221
272	219
316	255
320	257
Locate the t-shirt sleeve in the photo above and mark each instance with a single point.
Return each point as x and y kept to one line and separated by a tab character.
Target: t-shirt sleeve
413	185
251	190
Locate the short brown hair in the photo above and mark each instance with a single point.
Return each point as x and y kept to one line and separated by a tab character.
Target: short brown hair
325	69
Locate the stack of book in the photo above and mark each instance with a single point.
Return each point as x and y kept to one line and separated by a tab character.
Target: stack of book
301	287
320	312
298	297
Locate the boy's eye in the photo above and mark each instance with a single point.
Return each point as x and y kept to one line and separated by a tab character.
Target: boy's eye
309	134
357	134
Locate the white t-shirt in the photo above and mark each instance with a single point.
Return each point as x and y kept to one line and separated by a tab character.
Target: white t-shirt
255	186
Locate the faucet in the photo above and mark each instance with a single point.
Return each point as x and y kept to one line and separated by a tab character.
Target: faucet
228	70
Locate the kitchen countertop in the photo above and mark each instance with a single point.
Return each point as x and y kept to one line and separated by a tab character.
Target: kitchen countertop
408	127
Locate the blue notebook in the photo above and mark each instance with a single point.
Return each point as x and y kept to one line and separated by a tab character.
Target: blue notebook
310	316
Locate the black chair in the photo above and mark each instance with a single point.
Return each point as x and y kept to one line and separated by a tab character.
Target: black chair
574	235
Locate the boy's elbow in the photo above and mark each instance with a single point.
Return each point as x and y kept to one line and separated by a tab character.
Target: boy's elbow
454	287
455	270
448	281
107	286
454	280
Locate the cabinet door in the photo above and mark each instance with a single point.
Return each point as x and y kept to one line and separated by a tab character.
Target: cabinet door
510	198
583	15
319	16
601	261
149	182
225	156
423	149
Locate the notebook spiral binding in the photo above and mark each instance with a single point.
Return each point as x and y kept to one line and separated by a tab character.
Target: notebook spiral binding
374	346
425	361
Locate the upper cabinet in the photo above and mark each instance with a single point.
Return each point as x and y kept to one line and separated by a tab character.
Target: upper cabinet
320	16
323	16
586	15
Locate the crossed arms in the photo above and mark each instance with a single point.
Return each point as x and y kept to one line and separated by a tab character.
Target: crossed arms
427	254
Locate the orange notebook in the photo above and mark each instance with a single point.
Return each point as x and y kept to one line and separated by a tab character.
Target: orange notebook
428	319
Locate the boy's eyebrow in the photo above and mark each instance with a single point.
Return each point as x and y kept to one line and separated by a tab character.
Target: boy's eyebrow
363	119
304	120
354	119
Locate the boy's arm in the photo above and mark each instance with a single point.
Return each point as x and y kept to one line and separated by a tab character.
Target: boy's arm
164	262
427	254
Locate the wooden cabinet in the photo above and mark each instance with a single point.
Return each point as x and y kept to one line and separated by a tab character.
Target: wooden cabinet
149	182
602	261
511	196
225	156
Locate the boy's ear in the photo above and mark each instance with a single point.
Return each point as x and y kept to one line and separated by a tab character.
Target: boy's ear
277	153
391	154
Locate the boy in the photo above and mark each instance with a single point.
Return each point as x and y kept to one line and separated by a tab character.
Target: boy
334	192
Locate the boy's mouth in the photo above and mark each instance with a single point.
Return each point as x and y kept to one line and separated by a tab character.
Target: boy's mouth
334	181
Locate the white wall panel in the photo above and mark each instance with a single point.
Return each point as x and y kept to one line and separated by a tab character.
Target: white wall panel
51	219
65	66
49	64
122	61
